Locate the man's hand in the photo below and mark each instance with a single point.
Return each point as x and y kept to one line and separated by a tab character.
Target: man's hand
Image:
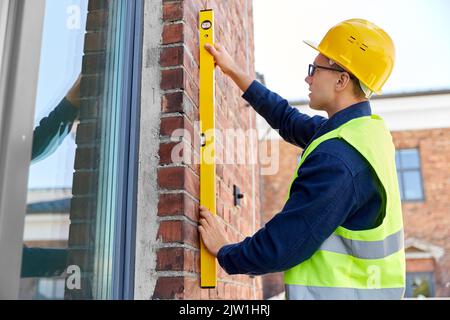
73	96
228	66
212	231
222	58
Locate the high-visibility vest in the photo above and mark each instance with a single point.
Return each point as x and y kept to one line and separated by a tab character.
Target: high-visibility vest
362	264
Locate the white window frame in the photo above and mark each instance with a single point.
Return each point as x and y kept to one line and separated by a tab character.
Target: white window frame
21	26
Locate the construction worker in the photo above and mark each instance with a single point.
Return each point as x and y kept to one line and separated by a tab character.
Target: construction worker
340	233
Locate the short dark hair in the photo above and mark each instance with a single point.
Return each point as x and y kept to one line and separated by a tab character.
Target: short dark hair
357	90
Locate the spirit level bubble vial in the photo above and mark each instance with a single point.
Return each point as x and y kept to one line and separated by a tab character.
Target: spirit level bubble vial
208	268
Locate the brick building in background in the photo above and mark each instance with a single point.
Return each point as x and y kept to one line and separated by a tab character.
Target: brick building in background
420	127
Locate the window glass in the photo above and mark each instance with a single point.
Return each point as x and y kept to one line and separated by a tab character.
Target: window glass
413	185
400	183
420	285
409	174
70	226
410	159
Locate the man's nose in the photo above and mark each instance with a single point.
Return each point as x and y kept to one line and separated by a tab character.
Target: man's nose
308	80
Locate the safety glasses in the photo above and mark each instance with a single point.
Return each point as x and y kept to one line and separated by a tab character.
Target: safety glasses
312	69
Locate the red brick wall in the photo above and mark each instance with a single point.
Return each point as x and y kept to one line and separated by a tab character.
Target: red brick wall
178	181
274	191
429	221
85	178
420	265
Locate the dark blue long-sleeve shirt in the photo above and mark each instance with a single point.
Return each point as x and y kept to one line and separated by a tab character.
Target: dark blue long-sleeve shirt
52	130
47	137
335	187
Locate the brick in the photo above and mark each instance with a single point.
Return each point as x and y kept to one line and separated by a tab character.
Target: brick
89	109
94	63
85	183
192	288
80	234
178	232
171	56
81	258
172	204
97	20
98	5
169	288
87	133
170	124
173	11
172	102
165	152
173	33
82	208
178	178
91	86
172	79
178	153
177	259
420	265
87	158
95	41
177	288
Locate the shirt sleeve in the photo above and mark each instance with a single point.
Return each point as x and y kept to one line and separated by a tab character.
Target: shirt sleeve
52	130
292	125
321	198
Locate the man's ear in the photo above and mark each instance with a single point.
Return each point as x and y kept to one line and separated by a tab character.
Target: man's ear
343	81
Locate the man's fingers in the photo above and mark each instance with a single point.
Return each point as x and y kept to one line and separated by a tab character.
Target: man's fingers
203	222
208	216
202	232
211	49
203	212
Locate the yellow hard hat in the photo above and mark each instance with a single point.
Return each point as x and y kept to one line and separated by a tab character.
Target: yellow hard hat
362	48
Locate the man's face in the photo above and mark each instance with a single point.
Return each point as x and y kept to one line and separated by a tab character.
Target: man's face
321	84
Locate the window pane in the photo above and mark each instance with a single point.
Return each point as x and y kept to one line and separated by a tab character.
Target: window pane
397	160
410	159
70	226
412	185
420	285
400	184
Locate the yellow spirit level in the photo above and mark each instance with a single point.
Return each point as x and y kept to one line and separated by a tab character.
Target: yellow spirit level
208	268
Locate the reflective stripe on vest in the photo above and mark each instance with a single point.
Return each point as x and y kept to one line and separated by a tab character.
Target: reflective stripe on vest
297	292
364	249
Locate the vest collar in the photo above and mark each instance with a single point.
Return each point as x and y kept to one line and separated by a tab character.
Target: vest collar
357	110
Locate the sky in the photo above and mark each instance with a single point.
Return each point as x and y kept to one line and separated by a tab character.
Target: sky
419	29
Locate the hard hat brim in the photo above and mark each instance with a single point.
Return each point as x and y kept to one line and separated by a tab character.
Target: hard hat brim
312	44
